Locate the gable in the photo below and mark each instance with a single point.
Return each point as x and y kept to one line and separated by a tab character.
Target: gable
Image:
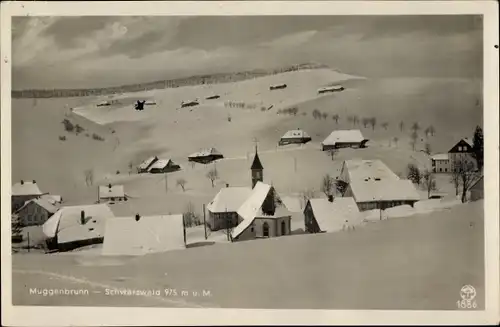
461	144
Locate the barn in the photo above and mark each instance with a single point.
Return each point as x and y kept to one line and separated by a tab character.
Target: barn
190	103
163	166
146	164
331	89
277	87
294	137
205	156
344	139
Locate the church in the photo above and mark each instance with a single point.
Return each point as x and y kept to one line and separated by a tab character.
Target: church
250	213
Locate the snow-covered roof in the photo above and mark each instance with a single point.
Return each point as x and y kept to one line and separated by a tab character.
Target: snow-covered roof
440	156
358	169
145	164
66	222
330	88
332	216
160	164
383	190
150	234
229	199
115	191
42	202
51	198
205	152
252	208
294	204
26	188
297	133
344	136
468	141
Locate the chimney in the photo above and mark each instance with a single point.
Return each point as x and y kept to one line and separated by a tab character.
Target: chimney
34	182
137	217
330	198
22	182
109	185
82	217
227	184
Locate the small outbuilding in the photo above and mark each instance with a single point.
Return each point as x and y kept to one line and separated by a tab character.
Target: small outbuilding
294	137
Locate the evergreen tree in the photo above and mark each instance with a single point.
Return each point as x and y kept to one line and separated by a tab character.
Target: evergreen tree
478	147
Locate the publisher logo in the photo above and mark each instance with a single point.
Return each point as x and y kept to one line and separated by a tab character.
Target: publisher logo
468	294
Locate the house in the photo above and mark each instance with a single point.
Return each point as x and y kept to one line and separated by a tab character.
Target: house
294	136
357	169
111	193
143	234
329	89
477	190
36	212
163	166
440	163
331	215
189	103
463	150
277	87
382	193
213	97
222	210
75	226
344	139
146	164
205	156
22	192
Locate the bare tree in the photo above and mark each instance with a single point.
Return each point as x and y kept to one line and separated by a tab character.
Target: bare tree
396	139
455	180
385	124
182	183
432	130
401	126
355	119
468	174
130	167
316	114
428	149
373	122
414	138
327	185
350	119
415	127
325	115
190	216
89	177
429	182
212	175
366	122
332	152
336	118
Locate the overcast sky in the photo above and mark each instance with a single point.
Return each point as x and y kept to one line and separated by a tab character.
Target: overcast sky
64	52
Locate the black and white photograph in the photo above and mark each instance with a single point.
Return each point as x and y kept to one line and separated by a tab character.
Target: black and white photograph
266	161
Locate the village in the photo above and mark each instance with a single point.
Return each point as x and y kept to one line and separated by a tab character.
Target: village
358	192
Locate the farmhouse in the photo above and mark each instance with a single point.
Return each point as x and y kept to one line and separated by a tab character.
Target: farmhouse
440	163
262	215
329	89
109	193
141	235
36	211
146	164
331	215
344	139
477	190
277	87
213	97
463	150
222	210
191	103
164	166
356	169
294	136
22	192
382	193
205	156
75	226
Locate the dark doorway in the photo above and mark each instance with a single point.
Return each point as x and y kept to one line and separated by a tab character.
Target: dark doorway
265	230
283	228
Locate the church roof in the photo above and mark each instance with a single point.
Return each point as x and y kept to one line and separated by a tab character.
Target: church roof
256	162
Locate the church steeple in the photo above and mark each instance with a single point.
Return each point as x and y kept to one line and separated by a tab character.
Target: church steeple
257	169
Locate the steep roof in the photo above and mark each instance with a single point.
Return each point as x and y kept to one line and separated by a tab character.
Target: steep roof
440	156
44	203
229	199
357	169
26	188
256	164
295	134
332	216
146	163
160	164
252	208
115	191
66	222
383	190
126	236
51	198
468	141
344	136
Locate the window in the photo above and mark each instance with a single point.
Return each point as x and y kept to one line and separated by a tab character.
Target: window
440	169
252	229
459	148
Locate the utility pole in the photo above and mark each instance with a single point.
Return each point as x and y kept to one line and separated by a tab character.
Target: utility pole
204	221
166	183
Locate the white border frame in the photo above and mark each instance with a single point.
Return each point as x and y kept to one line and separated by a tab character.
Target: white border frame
85	316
